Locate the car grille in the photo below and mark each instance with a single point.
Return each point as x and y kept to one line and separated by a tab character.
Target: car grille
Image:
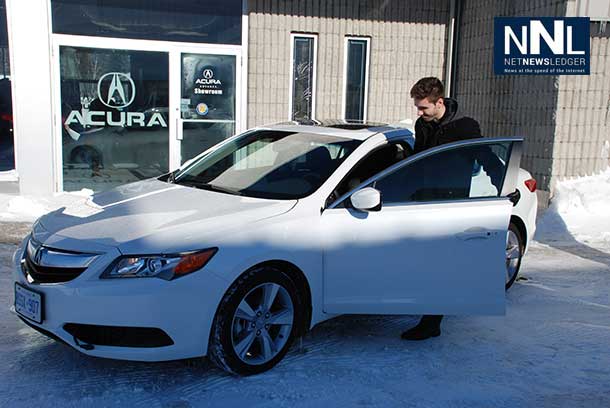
46	274
41	264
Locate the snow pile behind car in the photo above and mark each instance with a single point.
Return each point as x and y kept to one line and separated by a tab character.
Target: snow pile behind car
580	210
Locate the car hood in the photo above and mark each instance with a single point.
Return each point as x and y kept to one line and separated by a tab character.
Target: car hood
152	217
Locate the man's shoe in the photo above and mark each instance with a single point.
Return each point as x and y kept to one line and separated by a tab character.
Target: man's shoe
420	333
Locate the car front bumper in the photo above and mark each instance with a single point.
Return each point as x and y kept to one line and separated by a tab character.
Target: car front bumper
183	309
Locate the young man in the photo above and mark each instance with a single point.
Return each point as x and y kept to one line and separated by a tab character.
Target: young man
438	123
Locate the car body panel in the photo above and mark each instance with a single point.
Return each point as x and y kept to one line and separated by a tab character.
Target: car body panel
415	259
527	207
163	218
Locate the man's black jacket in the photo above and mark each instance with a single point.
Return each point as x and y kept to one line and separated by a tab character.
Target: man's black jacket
452	128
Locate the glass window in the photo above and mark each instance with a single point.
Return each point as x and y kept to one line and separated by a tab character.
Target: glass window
375	162
114	107
198	137
208	87
456	174
269	164
303	77
7	146
201	21
356	79
207	101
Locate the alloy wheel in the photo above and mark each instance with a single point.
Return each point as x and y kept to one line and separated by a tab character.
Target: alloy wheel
262	323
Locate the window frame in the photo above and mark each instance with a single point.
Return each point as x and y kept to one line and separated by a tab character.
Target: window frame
347	40
293	36
510	176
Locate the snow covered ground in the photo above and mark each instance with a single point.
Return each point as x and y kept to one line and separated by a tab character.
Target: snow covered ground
551	349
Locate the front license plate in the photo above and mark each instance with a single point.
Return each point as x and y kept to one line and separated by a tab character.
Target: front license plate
28	303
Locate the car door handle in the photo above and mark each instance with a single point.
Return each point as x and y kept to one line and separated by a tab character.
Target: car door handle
476	233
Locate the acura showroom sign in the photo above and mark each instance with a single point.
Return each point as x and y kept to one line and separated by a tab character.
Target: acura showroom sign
541	46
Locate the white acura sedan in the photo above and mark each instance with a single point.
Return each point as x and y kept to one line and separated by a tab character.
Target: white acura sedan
273	231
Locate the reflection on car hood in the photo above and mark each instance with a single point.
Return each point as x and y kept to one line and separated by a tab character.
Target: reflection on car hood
153	216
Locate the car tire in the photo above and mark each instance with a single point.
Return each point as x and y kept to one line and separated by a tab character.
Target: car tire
250	335
514	254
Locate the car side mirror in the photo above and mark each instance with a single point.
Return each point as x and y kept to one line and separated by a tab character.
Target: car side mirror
367	199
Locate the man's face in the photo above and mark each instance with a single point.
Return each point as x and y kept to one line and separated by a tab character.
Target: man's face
428	110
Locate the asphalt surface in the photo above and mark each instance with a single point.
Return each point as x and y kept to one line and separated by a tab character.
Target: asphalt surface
13	232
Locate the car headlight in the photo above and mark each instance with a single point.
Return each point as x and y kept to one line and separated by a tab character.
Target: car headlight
166	267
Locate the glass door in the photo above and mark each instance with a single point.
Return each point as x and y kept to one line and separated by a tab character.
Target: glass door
207	112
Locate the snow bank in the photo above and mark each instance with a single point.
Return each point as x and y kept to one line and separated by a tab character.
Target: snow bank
27	209
580	210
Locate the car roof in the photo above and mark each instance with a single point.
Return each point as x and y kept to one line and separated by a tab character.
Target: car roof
358	130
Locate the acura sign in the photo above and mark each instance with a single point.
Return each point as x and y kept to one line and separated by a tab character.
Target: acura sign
117	91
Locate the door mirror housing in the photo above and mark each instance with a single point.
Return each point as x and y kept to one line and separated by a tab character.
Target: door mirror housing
367	199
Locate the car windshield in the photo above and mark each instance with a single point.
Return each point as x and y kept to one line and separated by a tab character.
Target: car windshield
269	164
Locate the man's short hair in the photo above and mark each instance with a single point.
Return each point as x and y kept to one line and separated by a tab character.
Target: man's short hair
429	87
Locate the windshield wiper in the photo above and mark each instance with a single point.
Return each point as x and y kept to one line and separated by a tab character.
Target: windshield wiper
206	186
212	187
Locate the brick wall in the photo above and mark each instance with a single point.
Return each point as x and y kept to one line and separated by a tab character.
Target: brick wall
582	138
408	41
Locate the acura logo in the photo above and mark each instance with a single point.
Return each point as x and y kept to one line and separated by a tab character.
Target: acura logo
208	73
116	90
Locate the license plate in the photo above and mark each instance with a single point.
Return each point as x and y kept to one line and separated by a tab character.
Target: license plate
28	303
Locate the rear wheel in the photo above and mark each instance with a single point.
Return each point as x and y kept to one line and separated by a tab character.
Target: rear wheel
256	322
514	253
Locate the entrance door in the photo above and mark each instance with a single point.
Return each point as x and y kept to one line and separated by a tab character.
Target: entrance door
206	110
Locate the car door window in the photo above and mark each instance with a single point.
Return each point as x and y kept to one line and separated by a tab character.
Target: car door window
472	171
375	162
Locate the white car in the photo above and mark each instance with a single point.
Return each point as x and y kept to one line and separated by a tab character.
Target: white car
273	231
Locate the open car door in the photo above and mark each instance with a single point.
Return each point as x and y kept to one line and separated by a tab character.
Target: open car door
437	243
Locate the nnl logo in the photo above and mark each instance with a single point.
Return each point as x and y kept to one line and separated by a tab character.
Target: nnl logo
541	46
538	32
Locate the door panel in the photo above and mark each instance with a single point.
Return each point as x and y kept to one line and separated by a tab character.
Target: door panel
437	245
445	258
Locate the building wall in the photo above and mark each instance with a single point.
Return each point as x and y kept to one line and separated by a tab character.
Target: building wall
408	41
582	136
507	105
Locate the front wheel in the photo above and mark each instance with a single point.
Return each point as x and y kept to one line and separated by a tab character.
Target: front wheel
256	322
514	253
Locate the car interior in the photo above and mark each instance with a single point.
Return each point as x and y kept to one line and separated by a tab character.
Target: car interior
376	161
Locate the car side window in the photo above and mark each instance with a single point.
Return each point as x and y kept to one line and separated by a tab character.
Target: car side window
460	173
376	161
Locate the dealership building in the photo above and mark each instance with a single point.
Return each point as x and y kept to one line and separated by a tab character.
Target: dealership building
97	93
